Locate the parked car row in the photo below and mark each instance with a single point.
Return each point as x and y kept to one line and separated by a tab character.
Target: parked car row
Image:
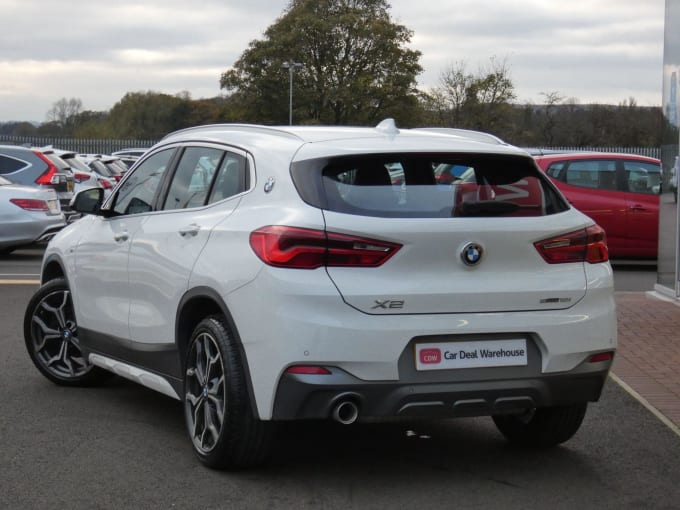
61	173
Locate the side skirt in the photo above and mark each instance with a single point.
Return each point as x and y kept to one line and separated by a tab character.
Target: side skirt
138	375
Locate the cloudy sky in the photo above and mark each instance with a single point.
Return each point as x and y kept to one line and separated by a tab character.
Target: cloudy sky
593	50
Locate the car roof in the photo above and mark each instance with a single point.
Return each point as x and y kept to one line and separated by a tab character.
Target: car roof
384	137
596	155
15	147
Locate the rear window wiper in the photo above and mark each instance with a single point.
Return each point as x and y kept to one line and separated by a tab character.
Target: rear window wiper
486	208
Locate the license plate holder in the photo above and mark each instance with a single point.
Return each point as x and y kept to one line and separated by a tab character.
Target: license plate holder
471	354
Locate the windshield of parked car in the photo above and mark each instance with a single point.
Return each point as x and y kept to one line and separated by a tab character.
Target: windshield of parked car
428	185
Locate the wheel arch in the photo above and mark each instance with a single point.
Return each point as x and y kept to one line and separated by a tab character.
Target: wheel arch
197	304
52	268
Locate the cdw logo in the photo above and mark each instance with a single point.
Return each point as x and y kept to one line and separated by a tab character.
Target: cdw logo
430	356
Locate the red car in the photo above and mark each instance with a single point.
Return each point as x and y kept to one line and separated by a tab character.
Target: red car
619	191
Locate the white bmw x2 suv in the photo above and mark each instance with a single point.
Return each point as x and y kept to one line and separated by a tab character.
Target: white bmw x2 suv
260	274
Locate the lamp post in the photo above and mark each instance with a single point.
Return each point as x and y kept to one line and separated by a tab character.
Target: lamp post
291	66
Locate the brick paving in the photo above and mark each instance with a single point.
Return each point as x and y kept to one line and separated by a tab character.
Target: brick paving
648	356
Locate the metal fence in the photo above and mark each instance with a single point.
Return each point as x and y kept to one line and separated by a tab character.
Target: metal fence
652	152
79	145
102	146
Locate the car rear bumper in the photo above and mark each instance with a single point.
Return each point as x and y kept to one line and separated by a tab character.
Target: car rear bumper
319	396
36	228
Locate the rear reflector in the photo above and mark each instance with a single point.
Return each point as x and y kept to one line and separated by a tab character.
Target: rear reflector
30	204
587	245
307	370
302	248
602	356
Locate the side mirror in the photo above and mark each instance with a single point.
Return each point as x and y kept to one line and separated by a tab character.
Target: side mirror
88	201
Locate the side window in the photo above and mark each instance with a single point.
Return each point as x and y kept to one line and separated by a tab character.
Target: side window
596	174
231	178
9	165
137	193
191	183
643	177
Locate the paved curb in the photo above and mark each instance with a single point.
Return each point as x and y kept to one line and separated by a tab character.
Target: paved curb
647	363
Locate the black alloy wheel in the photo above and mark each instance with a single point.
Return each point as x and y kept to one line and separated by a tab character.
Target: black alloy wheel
220	418
51	337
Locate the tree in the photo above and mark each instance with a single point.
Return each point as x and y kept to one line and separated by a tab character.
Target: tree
356	67
550	122
149	114
63	113
475	101
450	98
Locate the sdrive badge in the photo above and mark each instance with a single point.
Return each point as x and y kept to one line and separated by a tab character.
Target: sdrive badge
471	254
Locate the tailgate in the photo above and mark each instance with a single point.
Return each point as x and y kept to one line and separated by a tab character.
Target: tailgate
429	274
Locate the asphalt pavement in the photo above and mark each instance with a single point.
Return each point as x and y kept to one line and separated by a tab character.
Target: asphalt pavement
123	446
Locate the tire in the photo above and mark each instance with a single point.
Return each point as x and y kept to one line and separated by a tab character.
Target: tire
219	415
51	337
542	427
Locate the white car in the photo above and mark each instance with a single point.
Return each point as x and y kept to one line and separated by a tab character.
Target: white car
260	274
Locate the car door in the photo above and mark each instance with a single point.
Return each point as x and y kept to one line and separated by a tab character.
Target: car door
642	208
103	300
166	246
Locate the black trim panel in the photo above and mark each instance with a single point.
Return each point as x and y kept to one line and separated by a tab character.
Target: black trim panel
314	396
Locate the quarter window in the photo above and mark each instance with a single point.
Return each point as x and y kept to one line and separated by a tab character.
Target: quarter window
643	177
231	178
555	170
9	165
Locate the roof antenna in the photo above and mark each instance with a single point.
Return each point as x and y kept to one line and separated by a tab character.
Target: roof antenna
388	126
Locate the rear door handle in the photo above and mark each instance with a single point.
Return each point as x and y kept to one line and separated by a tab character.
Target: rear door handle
121	237
189	230
638	207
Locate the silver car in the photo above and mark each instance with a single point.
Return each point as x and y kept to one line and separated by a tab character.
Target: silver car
27	215
38	168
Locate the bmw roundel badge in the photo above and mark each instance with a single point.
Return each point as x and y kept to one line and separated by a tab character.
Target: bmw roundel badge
471	254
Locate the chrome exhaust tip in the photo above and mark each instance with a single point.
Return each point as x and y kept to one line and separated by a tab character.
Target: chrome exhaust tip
345	412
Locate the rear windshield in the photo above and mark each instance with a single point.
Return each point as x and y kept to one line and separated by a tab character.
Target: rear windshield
427	185
57	161
77	164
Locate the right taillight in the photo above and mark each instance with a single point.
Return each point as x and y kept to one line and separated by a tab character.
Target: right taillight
49	176
587	245
302	248
105	184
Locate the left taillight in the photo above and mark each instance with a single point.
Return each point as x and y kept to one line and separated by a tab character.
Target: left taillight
586	245
302	248
30	204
